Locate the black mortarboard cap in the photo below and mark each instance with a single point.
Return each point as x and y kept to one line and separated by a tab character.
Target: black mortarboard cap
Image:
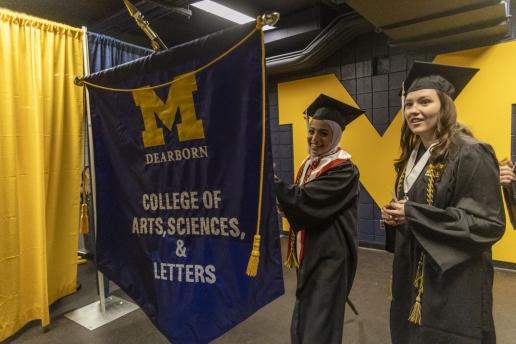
328	108
448	79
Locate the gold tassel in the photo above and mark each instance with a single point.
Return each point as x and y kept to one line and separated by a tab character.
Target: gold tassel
291	261
84	218
84	206
415	313
433	172
81	260
254	259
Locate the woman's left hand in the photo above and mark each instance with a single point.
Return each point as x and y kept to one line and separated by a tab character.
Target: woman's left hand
507	175
396	210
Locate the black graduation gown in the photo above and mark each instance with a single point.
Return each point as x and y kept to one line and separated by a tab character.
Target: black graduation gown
456	234
509	194
326	208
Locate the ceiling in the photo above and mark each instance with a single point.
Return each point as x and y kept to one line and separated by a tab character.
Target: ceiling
111	17
441	24
308	31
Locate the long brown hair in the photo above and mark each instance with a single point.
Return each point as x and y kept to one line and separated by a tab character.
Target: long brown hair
446	131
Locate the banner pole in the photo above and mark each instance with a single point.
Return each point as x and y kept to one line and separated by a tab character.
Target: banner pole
105	310
86	59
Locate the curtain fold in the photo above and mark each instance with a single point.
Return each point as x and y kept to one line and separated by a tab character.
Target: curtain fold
41	113
106	52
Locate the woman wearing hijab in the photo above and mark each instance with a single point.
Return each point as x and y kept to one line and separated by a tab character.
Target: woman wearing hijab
447	214
321	208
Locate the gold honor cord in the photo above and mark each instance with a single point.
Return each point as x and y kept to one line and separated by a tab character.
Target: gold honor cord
433	171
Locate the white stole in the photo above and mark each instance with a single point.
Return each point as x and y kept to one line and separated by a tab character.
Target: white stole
413	170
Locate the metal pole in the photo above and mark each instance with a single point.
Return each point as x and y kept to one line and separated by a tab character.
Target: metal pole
100	278
156	42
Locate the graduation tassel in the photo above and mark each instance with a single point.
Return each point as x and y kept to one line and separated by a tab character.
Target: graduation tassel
254	259
415	313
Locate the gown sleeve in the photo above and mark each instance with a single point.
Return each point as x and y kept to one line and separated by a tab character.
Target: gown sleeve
509	194
475	219
319	200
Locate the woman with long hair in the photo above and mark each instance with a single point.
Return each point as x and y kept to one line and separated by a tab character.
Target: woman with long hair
321	208
446	215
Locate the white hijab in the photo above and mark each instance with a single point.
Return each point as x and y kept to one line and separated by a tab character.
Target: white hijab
336	135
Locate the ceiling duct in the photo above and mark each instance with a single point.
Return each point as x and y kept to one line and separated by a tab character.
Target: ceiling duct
439	24
333	37
121	21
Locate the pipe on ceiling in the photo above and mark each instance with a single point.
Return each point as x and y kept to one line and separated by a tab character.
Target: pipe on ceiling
334	36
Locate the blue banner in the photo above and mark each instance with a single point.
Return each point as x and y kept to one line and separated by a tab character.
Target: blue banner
184	181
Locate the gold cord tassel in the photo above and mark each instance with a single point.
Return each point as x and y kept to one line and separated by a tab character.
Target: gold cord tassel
415	313
254	259
84	206
84	218
433	172
291	261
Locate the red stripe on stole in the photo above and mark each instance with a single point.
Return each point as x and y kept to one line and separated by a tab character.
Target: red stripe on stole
328	167
331	165
313	166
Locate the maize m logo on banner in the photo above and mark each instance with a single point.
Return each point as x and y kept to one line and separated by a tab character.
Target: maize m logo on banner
179	100
484	106
159	115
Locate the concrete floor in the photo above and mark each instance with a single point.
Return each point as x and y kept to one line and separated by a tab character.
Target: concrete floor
270	325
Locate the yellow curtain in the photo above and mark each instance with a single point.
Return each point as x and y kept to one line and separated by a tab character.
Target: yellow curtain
40	166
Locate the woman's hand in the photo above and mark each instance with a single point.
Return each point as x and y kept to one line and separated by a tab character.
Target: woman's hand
506	173
393	213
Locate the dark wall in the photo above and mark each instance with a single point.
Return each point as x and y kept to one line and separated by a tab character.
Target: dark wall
372	73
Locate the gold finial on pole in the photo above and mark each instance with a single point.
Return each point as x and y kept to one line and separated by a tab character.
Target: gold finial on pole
156	42
267	19
78	81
